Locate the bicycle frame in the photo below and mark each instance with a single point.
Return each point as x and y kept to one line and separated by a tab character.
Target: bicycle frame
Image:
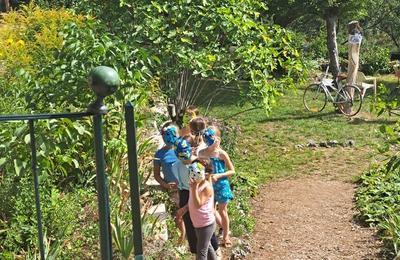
347	98
336	87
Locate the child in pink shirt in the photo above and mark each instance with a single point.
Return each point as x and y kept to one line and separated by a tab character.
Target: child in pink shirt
201	210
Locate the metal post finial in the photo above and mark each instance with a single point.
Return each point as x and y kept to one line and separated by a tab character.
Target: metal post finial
104	81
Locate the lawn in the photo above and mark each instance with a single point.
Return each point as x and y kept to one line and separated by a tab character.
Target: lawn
266	146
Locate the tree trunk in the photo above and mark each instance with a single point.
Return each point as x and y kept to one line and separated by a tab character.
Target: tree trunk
331	26
7	5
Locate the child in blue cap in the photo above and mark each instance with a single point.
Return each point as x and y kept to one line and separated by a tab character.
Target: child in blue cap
164	159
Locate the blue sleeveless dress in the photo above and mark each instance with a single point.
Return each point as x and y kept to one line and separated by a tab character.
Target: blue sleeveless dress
222	188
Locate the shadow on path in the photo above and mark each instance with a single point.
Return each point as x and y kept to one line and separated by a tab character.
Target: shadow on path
324	115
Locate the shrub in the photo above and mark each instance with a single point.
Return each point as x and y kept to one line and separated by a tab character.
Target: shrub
378	199
48	73
64	218
375	59
378	196
30	36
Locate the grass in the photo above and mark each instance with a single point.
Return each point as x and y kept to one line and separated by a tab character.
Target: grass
267	143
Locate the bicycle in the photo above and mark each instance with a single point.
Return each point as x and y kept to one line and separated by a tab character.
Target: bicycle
348	99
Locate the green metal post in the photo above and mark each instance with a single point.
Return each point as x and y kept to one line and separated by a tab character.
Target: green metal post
36	187
102	191
134	180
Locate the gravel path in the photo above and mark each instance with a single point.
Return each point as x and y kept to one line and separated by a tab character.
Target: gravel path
310	217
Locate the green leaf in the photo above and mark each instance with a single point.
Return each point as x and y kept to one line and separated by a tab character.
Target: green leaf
2	161
79	128
76	163
18	165
27	139
186	40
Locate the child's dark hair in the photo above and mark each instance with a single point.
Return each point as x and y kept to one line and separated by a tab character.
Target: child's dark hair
168	123
197	126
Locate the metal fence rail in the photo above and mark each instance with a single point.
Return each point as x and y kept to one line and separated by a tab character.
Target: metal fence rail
101	179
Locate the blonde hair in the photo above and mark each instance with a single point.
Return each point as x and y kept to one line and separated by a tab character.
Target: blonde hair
192	111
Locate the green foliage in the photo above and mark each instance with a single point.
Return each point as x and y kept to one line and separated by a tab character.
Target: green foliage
375	58
60	48
378	196
59	152
219	39
211	40
384	16
244	188
378	199
123	241
388	99
391	232
51	251
290	12
314	45
62	214
30	37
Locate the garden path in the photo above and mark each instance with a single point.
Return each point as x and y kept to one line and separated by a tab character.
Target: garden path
305	209
312	216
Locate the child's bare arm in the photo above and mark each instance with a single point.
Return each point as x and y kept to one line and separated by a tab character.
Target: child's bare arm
203	154
182	211
200	198
159	179
228	164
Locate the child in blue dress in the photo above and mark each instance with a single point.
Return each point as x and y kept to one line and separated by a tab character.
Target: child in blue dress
222	169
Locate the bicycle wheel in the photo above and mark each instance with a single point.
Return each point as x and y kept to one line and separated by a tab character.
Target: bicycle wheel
314	98
349	100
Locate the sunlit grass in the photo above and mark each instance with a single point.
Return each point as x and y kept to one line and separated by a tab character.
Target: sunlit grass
267	143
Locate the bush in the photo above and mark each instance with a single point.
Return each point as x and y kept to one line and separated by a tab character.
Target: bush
314	47
378	199
378	196
46	71
67	218
375	59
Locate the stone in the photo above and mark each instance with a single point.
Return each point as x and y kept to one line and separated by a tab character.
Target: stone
351	142
333	143
324	144
312	143
299	146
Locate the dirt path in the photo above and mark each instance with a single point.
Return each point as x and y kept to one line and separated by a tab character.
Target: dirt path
312	217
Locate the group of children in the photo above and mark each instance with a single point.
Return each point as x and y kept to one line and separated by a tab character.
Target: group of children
195	172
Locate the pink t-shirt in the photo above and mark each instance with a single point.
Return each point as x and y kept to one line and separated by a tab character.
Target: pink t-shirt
203	216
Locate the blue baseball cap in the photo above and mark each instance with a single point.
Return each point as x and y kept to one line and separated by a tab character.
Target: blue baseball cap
183	150
209	136
169	134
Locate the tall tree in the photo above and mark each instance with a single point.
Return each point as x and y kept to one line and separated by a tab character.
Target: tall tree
287	12
5	5
187	43
384	15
